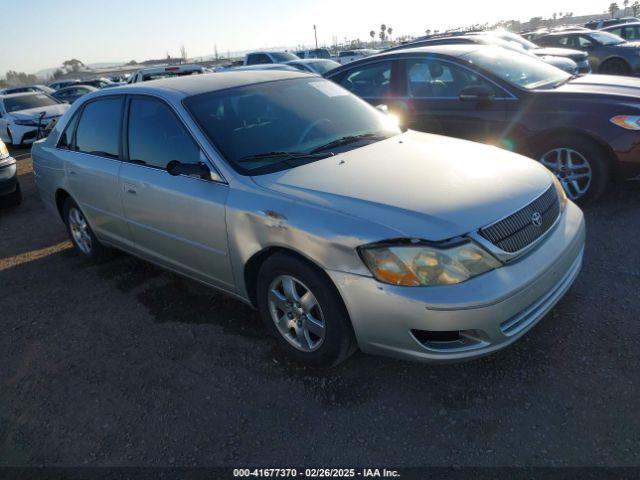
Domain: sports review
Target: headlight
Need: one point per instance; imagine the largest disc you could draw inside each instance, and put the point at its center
(26, 123)
(424, 265)
(4, 151)
(562, 195)
(629, 122)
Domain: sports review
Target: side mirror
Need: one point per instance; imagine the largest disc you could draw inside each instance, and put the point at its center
(175, 168)
(477, 93)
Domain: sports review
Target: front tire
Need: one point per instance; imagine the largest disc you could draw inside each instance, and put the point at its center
(81, 234)
(580, 164)
(303, 311)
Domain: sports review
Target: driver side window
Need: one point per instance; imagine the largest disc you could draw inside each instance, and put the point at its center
(584, 42)
(156, 135)
(432, 78)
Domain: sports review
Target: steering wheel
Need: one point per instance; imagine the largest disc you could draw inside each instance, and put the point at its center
(310, 128)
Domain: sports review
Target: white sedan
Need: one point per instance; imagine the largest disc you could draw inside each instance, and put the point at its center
(22, 113)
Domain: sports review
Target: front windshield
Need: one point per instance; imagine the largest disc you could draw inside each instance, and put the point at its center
(323, 66)
(26, 102)
(517, 69)
(253, 126)
(281, 57)
(606, 38)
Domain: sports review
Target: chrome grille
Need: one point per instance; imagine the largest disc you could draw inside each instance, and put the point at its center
(518, 231)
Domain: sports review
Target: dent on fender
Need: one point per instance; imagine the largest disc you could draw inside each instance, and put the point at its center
(306, 230)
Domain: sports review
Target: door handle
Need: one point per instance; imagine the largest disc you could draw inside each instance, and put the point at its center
(129, 188)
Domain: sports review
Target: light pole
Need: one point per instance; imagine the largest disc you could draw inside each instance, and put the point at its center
(315, 32)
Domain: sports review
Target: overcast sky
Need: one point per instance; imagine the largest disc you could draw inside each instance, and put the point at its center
(40, 34)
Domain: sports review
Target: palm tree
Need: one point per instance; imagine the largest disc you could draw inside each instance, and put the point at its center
(390, 30)
(635, 8)
(428, 31)
(372, 33)
(613, 9)
(383, 29)
(626, 5)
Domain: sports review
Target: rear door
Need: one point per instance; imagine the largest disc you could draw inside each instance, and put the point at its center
(92, 163)
(176, 221)
(432, 88)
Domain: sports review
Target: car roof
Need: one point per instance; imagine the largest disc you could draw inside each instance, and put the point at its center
(453, 50)
(205, 83)
(568, 32)
(21, 94)
(169, 68)
(621, 25)
(270, 51)
(94, 89)
(309, 60)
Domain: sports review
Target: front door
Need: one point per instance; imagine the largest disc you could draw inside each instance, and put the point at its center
(176, 221)
(435, 104)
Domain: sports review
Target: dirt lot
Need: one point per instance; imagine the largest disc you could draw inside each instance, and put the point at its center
(125, 364)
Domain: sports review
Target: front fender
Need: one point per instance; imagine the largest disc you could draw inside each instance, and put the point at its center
(260, 219)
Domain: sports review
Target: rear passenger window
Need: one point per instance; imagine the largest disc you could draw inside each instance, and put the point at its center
(98, 130)
(432, 78)
(156, 135)
(369, 81)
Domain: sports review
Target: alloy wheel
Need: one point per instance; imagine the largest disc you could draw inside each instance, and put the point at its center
(296, 313)
(80, 230)
(572, 169)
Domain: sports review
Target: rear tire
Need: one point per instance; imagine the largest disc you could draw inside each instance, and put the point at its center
(81, 234)
(319, 336)
(615, 66)
(581, 165)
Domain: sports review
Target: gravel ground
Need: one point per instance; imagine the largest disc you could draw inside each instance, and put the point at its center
(125, 364)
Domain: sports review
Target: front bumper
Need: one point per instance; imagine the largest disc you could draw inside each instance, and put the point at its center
(488, 312)
(8, 176)
(23, 134)
(584, 67)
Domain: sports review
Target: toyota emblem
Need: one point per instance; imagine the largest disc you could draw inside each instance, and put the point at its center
(536, 219)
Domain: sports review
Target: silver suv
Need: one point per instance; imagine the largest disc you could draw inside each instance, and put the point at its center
(291, 194)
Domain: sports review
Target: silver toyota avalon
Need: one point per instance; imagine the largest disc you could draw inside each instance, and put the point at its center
(289, 193)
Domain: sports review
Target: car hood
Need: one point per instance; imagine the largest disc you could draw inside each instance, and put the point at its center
(610, 85)
(626, 45)
(420, 185)
(34, 113)
(575, 55)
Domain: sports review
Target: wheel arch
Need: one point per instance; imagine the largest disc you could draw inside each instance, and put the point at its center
(529, 146)
(61, 197)
(613, 57)
(255, 262)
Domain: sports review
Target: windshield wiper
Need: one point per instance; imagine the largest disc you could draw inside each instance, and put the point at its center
(288, 155)
(345, 141)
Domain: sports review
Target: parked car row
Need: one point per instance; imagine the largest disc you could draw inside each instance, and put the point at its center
(331, 217)
(290, 193)
(571, 61)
